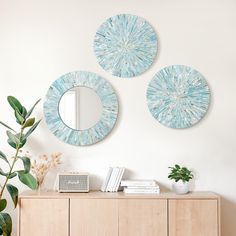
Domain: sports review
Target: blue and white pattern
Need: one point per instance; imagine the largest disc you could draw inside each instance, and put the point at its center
(109, 113)
(125, 45)
(178, 96)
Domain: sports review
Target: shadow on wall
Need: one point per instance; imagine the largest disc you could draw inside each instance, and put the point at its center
(228, 215)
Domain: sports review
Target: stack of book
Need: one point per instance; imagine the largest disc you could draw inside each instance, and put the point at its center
(113, 179)
(140, 186)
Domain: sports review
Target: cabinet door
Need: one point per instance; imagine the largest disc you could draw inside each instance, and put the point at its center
(193, 217)
(93, 217)
(44, 217)
(142, 217)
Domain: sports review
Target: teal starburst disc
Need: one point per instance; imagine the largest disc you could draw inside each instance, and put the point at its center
(178, 96)
(125, 45)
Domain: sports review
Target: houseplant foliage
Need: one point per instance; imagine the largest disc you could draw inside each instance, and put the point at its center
(16, 139)
(181, 176)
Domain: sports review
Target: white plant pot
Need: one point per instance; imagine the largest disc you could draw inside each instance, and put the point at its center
(180, 187)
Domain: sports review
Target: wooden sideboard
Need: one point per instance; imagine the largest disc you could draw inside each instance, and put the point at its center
(118, 214)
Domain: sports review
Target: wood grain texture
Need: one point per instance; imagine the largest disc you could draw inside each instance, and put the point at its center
(93, 217)
(113, 214)
(141, 217)
(193, 218)
(49, 217)
(119, 195)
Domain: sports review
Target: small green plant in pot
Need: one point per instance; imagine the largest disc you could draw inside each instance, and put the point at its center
(16, 140)
(181, 176)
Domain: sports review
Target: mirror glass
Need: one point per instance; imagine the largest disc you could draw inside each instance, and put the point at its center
(80, 108)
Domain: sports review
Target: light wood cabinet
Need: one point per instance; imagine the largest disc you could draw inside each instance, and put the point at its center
(44, 217)
(118, 214)
(93, 217)
(193, 217)
(141, 217)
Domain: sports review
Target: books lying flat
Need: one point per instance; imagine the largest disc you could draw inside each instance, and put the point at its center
(140, 186)
(142, 190)
(139, 183)
(143, 187)
(113, 179)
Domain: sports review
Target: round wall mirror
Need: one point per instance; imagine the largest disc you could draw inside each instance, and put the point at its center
(81, 108)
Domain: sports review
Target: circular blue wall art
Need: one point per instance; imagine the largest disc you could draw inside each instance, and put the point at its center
(109, 108)
(125, 45)
(178, 96)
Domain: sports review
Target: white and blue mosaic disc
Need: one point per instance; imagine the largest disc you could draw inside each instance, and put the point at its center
(178, 96)
(125, 45)
(109, 108)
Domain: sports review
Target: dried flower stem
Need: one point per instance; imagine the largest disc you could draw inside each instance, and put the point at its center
(41, 167)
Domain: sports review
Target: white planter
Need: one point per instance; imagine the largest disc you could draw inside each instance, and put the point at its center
(180, 187)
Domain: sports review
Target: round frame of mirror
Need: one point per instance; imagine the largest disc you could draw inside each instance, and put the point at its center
(109, 102)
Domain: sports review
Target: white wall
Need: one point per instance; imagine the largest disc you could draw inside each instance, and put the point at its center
(41, 40)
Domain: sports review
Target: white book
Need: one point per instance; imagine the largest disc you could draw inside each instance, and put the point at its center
(121, 173)
(116, 179)
(111, 180)
(106, 180)
(126, 183)
(116, 174)
(141, 191)
(144, 187)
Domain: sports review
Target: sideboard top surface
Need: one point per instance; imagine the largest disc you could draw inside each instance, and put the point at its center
(118, 195)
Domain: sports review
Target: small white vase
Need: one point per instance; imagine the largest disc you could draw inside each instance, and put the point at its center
(180, 187)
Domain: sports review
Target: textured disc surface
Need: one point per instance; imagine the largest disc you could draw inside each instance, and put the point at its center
(178, 96)
(125, 45)
(109, 103)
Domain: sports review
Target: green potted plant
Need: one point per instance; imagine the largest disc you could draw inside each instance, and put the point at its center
(181, 176)
(16, 139)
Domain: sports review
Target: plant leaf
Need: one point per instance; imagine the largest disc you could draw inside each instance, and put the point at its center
(5, 224)
(13, 137)
(27, 163)
(21, 138)
(180, 173)
(27, 179)
(3, 204)
(19, 119)
(31, 110)
(7, 126)
(15, 104)
(13, 174)
(13, 191)
(24, 112)
(29, 123)
(11, 143)
(31, 130)
(13, 140)
(3, 156)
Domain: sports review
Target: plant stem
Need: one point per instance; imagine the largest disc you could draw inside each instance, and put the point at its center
(11, 166)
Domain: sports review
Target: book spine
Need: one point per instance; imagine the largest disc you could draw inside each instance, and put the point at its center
(110, 180)
(117, 169)
(117, 179)
(142, 191)
(122, 170)
(105, 182)
(143, 187)
(137, 184)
